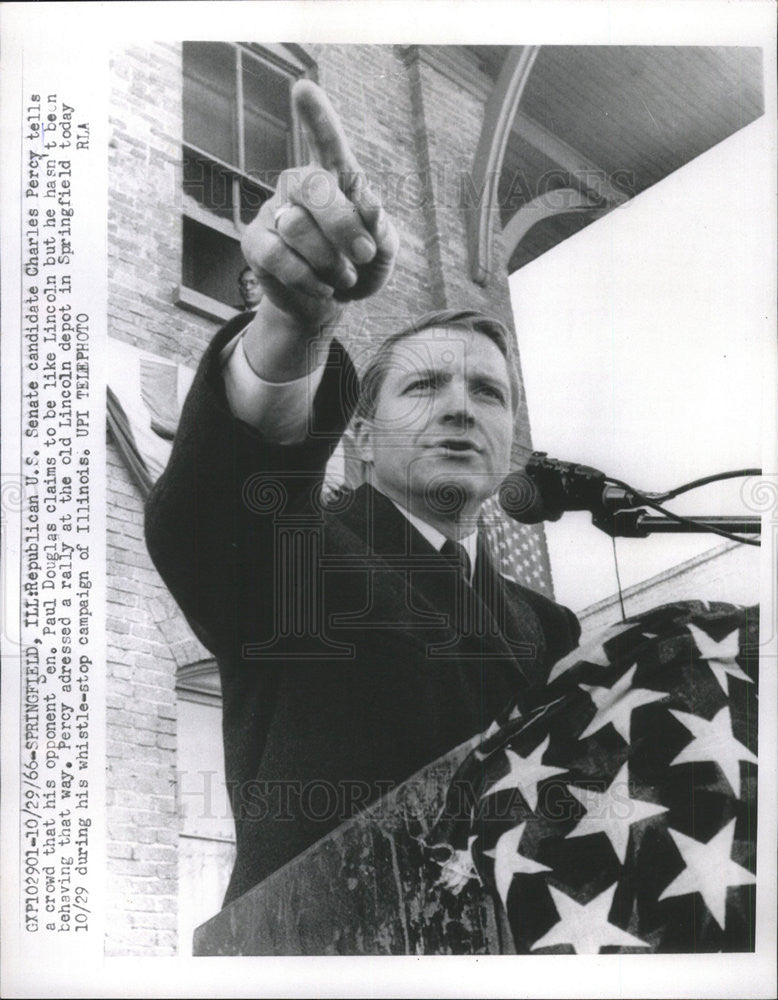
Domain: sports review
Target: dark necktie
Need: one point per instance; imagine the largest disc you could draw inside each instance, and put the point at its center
(457, 554)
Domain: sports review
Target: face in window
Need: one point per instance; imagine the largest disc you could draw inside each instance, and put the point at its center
(443, 423)
(250, 289)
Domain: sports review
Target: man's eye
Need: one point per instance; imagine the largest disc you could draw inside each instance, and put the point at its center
(492, 392)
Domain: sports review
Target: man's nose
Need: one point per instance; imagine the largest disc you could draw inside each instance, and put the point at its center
(453, 406)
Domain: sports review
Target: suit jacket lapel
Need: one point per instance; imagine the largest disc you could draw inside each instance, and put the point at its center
(488, 621)
(389, 548)
(513, 617)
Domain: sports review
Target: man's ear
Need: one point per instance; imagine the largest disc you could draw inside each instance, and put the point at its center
(363, 439)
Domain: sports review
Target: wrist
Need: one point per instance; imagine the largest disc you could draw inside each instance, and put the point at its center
(280, 347)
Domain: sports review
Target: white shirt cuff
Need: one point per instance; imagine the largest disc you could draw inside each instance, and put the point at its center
(278, 410)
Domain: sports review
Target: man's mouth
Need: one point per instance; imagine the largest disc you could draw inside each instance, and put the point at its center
(457, 445)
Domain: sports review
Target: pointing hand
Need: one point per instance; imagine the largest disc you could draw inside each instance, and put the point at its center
(323, 238)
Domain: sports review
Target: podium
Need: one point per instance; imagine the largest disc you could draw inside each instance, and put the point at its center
(368, 888)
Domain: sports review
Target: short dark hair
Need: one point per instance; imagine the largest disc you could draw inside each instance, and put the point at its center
(456, 319)
(243, 271)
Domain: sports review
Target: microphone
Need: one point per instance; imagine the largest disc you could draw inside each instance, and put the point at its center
(547, 487)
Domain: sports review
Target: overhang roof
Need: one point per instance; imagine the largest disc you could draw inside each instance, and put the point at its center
(610, 121)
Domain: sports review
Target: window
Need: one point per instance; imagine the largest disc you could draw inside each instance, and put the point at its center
(206, 846)
(237, 138)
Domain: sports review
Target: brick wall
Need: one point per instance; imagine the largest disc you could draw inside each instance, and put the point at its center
(408, 121)
(144, 206)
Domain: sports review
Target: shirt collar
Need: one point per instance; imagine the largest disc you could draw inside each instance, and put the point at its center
(436, 538)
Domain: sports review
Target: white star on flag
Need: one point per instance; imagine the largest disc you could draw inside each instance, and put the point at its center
(616, 704)
(526, 773)
(714, 741)
(612, 812)
(508, 862)
(720, 655)
(592, 651)
(586, 926)
(709, 870)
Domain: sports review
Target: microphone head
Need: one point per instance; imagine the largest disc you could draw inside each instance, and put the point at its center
(547, 487)
(520, 497)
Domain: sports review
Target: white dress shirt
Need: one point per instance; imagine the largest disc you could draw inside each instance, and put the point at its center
(278, 410)
(437, 539)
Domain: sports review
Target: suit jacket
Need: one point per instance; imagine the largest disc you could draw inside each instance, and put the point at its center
(351, 653)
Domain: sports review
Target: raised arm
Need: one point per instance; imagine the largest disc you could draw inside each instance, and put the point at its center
(319, 242)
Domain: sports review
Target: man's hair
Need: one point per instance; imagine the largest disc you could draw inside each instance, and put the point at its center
(243, 271)
(452, 319)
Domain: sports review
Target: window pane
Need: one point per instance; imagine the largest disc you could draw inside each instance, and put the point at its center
(212, 263)
(267, 115)
(252, 196)
(267, 147)
(209, 184)
(210, 98)
(266, 88)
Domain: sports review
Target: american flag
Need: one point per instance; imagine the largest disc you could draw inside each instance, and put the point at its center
(517, 549)
(619, 815)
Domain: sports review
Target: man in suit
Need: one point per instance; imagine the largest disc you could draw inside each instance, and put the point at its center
(358, 639)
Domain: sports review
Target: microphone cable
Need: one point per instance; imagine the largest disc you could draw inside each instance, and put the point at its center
(652, 500)
(704, 481)
(618, 578)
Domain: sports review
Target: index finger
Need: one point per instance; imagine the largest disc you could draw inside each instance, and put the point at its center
(323, 129)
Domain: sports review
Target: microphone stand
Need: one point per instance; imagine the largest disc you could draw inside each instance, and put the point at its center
(618, 518)
(640, 524)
